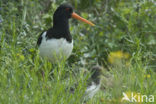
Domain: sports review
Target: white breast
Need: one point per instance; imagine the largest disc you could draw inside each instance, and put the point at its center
(92, 90)
(55, 49)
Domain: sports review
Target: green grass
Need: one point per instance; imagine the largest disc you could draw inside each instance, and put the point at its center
(128, 27)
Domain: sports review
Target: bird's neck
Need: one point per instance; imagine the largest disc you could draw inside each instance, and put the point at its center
(61, 29)
(62, 24)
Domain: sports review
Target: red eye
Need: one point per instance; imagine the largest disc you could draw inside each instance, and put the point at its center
(67, 9)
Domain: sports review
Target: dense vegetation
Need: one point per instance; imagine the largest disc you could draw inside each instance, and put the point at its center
(123, 42)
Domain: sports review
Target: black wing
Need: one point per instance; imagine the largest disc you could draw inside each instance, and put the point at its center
(39, 39)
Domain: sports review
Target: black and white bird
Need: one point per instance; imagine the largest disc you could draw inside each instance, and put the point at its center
(94, 81)
(56, 43)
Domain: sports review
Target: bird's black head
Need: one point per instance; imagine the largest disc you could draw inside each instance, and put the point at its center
(63, 11)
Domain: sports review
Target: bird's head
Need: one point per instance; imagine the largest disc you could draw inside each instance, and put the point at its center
(66, 11)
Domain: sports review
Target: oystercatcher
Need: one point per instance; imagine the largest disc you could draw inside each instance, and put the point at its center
(93, 83)
(56, 43)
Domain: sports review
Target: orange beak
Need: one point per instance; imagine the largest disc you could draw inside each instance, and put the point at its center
(76, 16)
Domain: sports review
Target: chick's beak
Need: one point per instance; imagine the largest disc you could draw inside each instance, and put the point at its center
(76, 16)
